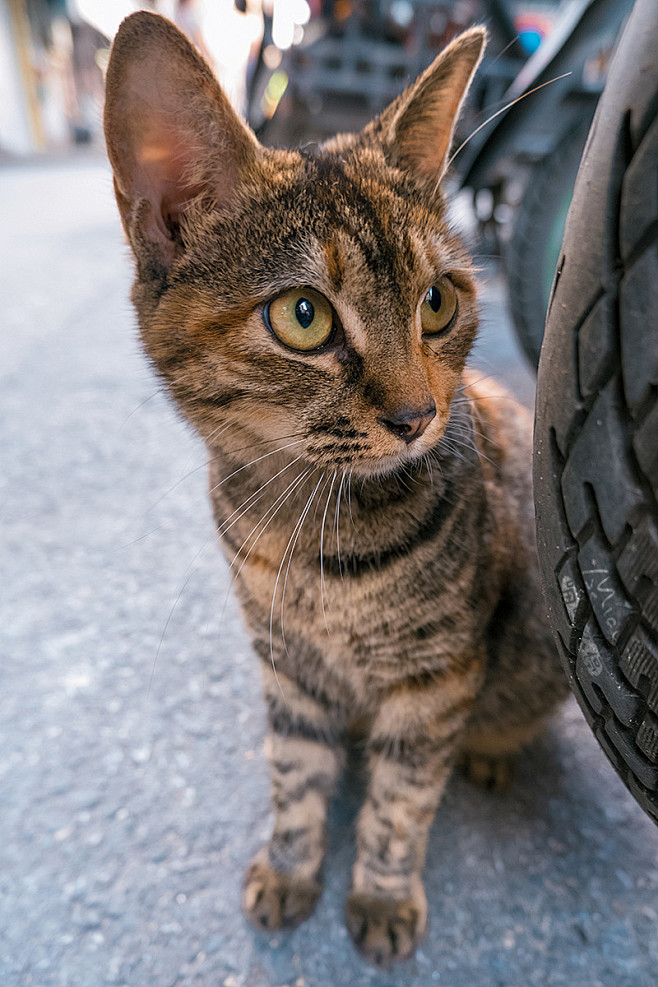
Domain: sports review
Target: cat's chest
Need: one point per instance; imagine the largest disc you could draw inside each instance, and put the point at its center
(376, 601)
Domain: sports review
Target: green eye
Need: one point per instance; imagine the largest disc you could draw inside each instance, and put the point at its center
(438, 307)
(301, 318)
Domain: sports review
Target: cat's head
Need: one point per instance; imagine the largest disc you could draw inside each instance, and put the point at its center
(311, 297)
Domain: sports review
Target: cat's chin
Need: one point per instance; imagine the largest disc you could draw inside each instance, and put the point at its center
(388, 466)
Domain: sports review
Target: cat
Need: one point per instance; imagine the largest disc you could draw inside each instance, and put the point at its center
(310, 313)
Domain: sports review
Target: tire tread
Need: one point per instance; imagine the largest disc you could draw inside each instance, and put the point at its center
(597, 515)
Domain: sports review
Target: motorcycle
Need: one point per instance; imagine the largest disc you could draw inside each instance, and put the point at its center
(523, 165)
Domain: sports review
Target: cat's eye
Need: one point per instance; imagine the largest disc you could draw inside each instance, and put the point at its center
(438, 307)
(301, 318)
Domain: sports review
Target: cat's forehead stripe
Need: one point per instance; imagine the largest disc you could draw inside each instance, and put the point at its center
(334, 265)
(359, 211)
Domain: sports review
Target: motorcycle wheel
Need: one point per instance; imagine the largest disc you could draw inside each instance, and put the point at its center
(596, 426)
(532, 254)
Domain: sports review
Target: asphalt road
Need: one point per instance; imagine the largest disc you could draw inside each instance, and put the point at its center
(133, 787)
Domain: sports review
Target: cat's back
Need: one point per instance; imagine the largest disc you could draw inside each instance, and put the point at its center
(503, 436)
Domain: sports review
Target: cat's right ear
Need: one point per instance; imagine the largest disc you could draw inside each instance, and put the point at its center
(173, 138)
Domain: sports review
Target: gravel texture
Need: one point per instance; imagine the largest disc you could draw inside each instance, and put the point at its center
(133, 787)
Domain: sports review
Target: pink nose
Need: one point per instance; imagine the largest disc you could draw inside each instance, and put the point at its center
(409, 423)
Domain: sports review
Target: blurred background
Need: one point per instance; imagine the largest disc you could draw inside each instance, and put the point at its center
(328, 60)
(302, 70)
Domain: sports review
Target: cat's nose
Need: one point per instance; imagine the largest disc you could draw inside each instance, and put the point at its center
(409, 423)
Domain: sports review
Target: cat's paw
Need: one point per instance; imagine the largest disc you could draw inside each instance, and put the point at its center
(494, 773)
(272, 900)
(385, 931)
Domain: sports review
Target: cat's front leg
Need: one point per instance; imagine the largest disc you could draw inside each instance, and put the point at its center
(306, 756)
(412, 749)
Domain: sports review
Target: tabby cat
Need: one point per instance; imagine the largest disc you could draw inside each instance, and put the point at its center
(311, 312)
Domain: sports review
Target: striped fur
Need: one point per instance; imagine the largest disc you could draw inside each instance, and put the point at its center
(387, 585)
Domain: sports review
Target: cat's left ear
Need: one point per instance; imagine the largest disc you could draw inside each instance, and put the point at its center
(417, 130)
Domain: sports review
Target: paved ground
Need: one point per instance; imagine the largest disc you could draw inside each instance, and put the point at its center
(133, 785)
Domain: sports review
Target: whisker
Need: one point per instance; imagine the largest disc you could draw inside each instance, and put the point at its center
(252, 499)
(502, 110)
(492, 397)
(467, 423)
(428, 467)
(190, 573)
(349, 494)
(456, 443)
(206, 462)
(275, 507)
(434, 460)
(462, 388)
(487, 438)
(406, 472)
(322, 585)
(218, 431)
(138, 408)
(317, 506)
(253, 463)
(517, 37)
(302, 518)
(278, 576)
(232, 519)
(465, 402)
(337, 520)
(278, 503)
(147, 534)
(260, 442)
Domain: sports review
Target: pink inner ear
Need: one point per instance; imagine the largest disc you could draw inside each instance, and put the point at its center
(172, 135)
(159, 170)
(163, 160)
(168, 161)
(431, 150)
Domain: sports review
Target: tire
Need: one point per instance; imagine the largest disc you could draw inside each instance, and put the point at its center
(532, 254)
(596, 426)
